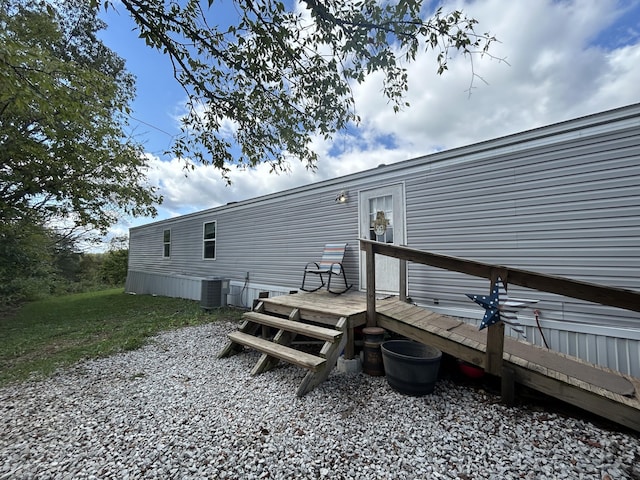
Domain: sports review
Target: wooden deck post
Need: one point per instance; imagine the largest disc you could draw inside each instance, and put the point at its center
(508, 387)
(495, 348)
(371, 285)
(495, 332)
(403, 281)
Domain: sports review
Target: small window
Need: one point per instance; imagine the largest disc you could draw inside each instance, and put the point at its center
(166, 240)
(210, 240)
(381, 219)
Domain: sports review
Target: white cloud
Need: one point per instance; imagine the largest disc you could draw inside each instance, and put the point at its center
(554, 74)
(557, 71)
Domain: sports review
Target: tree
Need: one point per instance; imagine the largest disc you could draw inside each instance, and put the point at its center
(66, 258)
(26, 267)
(261, 87)
(64, 155)
(115, 264)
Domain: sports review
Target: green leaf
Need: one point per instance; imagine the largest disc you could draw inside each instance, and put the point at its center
(279, 79)
(64, 140)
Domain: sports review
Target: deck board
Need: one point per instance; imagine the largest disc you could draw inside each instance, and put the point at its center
(283, 352)
(600, 390)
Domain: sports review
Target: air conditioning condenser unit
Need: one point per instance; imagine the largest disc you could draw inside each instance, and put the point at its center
(214, 293)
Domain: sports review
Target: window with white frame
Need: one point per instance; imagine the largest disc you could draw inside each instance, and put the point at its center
(166, 242)
(209, 237)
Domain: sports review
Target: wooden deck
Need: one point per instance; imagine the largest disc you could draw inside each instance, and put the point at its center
(324, 307)
(599, 390)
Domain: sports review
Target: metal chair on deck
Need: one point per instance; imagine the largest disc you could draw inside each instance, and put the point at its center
(330, 264)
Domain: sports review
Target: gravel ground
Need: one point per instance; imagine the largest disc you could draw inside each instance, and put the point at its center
(171, 410)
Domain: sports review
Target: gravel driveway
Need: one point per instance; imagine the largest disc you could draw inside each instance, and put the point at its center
(171, 410)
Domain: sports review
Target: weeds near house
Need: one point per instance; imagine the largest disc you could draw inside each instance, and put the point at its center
(55, 332)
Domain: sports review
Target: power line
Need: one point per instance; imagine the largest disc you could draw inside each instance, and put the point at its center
(152, 126)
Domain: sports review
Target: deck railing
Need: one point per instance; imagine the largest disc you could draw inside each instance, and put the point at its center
(610, 296)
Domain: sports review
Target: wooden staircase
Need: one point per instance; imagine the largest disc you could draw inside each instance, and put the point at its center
(256, 332)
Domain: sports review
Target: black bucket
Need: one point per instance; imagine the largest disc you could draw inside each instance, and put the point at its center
(411, 367)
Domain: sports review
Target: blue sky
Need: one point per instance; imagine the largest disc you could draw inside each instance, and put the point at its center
(565, 59)
(158, 95)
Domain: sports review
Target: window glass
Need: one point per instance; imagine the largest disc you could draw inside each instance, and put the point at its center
(381, 219)
(210, 250)
(210, 231)
(166, 243)
(209, 237)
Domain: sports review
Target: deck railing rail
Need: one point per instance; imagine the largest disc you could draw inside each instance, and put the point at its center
(610, 296)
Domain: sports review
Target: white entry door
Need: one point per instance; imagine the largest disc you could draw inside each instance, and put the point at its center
(382, 220)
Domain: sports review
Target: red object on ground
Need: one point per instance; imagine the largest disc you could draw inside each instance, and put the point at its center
(470, 371)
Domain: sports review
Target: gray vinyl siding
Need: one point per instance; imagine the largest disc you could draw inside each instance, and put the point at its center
(562, 200)
(270, 240)
(570, 209)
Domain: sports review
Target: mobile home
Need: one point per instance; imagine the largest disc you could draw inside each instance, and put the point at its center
(562, 199)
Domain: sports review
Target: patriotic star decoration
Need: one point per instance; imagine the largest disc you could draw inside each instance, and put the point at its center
(499, 306)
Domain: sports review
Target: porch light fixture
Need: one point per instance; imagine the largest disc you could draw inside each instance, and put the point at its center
(342, 197)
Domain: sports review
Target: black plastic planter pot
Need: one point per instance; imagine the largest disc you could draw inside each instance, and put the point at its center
(411, 367)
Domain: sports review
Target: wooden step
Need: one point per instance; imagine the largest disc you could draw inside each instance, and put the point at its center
(306, 314)
(321, 333)
(291, 355)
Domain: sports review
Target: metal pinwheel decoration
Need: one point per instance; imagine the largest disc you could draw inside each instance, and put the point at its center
(499, 306)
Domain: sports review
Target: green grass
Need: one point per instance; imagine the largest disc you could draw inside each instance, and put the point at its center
(45, 335)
